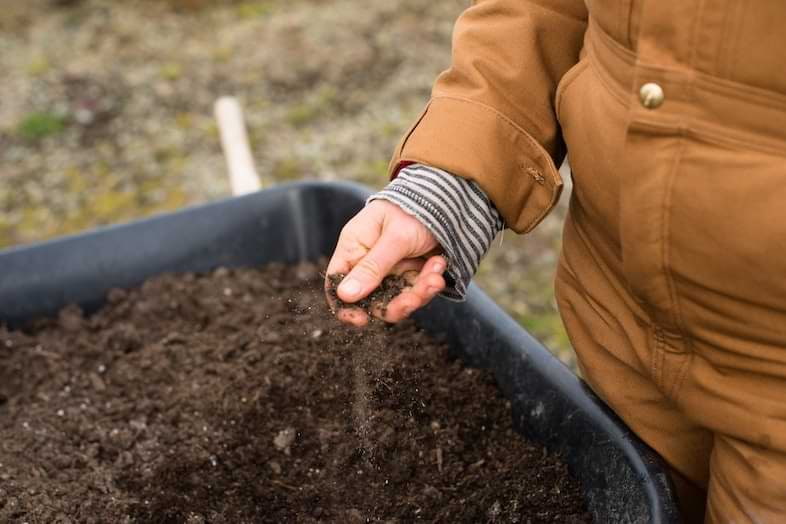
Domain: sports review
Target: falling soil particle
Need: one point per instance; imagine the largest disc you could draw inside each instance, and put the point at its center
(378, 299)
(181, 402)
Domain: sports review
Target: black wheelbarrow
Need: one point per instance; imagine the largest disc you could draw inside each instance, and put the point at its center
(622, 479)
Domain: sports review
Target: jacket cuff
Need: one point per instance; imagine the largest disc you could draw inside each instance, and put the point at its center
(456, 211)
(476, 142)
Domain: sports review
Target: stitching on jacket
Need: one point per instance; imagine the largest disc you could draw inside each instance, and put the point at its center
(693, 36)
(704, 131)
(562, 87)
(682, 374)
(538, 149)
(725, 138)
(555, 187)
(600, 73)
(655, 356)
(400, 148)
(665, 234)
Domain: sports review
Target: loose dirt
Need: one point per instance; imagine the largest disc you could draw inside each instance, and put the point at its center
(388, 289)
(236, 397)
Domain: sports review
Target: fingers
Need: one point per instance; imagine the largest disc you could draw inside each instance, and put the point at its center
(425, 285)
(383, 239)
(369, 271)
(348, 251)
(362, 231)
(354, 316)
(355, 240)
(428, 284)
(409, 269)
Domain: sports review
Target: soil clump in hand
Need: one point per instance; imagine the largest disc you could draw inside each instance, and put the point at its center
(236, 397)
(390, 287)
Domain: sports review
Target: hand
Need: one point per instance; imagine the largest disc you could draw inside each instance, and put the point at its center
(383, 239)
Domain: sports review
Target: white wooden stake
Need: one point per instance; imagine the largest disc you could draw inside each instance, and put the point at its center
(243, 177)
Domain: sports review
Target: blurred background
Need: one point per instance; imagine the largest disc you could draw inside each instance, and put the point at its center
(106, 113)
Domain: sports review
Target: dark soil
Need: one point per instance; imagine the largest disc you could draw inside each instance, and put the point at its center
(236, 397)
(379, 299)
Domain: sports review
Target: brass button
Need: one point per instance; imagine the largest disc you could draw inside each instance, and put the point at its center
(651, 95)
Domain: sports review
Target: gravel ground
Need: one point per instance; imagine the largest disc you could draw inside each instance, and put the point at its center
(106, 112)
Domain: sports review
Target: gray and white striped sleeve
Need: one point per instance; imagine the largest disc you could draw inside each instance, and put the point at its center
(456, 211)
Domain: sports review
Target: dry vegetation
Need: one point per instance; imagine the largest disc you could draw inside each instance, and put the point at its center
(106, 112)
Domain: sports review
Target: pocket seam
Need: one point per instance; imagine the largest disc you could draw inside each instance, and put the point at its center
(566, 81)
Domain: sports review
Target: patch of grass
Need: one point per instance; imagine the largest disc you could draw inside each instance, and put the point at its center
(301, 114)
(392, 130)
(374, 173)
(105, 198)
(184, 121)
(548, 327)
(222, 54)
(254, 9)
(287, 169)
(171, 71)
(313, 108)
(38, 66)
(37, 126)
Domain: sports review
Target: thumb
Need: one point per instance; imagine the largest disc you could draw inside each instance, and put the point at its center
(369, 271)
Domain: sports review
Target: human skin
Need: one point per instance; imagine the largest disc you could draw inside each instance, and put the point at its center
(383, 239)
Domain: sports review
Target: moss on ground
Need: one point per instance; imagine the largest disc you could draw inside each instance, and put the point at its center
(37, 126)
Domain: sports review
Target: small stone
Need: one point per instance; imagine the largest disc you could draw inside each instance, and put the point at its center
(194, 518)
(495, 510)
(70, 318)
(269, 337)
(284, 439)
(97, 382)
(116, 295)
(354, 516)
(84, 116)
(431, 491)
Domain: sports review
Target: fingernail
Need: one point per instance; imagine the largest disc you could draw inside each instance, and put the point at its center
(439, 267)
(408, 311)
(431, 290)
(349, 287)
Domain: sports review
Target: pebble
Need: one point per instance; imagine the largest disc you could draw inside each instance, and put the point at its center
(284, 439)
(354, 516)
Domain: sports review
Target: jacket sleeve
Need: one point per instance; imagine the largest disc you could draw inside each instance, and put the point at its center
(491, 117)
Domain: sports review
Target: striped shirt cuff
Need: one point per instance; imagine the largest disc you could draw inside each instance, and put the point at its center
(456, 211)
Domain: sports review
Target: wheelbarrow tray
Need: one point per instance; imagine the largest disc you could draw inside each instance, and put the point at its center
(622, 479)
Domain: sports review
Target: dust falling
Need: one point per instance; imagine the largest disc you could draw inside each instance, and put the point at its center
(368, 364)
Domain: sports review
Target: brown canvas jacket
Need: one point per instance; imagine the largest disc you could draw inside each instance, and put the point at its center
(721, 65)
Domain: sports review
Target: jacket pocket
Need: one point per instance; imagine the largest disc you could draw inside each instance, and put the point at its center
(566, 81)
